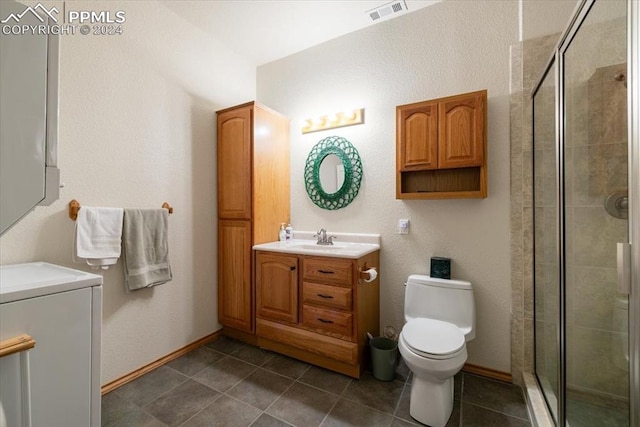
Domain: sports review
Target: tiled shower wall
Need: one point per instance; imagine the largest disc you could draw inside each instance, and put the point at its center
(596, 166)
(528, 61)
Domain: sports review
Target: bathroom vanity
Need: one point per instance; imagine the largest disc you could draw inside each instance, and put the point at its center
(317, 303)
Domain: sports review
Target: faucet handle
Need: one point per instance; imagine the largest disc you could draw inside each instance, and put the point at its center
(330, 239)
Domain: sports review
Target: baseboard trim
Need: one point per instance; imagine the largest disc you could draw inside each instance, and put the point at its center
(119, 382)
(487, 372)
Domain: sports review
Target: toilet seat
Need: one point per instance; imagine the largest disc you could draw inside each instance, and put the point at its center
(433, 339)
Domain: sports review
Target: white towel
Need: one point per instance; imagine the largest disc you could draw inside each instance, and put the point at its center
(98, 236)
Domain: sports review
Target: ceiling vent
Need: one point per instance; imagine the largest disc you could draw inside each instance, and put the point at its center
(387, 10)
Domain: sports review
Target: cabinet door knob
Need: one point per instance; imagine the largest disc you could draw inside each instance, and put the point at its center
(293, 267)
(325, 296)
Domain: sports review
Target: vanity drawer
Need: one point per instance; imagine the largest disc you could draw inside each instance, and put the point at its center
(328, 270)
(331, 322)
(327, 296)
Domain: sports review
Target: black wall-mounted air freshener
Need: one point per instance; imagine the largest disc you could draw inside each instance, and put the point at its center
(440, 267)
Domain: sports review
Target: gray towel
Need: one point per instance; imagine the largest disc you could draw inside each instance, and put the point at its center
(146, 248)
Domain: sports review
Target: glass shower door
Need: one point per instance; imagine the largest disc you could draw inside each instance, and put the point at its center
(594, 154)
(546, 251)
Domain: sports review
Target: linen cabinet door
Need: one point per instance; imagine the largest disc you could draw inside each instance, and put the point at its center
(235, 300)
(277, 287)
(234, 163)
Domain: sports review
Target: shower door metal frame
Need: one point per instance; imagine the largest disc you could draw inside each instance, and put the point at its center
(633, 112)
(560, 338)
(633, 108)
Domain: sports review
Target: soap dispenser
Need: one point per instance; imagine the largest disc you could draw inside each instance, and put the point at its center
(282, 235)
(289, 232)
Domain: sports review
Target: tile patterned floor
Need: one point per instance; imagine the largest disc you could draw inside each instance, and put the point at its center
(228, 383)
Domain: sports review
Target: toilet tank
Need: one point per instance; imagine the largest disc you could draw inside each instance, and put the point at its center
(441, 299)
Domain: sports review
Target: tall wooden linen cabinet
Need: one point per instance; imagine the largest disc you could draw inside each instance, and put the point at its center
(253, 200)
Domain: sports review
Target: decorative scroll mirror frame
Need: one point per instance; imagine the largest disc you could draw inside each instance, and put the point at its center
(352, 164)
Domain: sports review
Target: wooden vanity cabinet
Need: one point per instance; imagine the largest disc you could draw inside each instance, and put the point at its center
(253, 200)
(441, 148)
(335, 308)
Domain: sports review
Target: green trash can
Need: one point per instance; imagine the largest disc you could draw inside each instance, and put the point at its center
(384, 354)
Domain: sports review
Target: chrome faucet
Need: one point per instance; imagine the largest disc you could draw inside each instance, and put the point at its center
(321, 235)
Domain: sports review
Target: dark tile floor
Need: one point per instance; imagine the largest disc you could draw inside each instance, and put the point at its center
(228, 383)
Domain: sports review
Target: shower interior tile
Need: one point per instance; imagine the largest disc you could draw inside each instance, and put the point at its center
(594, 236)
(528, 345)
(593, 356)
(593, 293)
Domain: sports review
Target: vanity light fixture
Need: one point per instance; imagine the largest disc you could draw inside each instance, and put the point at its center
(335, 120)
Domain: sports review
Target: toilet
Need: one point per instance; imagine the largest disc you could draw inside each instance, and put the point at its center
(440, 318)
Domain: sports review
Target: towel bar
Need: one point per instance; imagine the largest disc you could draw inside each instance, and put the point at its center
(74, 207)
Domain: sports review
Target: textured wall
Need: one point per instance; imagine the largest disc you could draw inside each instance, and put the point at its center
(445, 49)
(542, 17)
(137, 127)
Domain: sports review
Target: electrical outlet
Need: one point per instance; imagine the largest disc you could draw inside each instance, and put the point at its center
(403, 226)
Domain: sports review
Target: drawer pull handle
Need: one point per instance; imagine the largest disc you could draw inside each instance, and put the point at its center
(325, 320)
(325, 296)
(325, 271)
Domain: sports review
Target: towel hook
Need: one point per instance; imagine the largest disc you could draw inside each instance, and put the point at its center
(74, 207)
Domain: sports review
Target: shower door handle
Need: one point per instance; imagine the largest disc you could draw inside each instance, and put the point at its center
(624, 268)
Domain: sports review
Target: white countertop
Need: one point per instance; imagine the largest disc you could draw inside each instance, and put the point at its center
(346, 245)
(34, 279)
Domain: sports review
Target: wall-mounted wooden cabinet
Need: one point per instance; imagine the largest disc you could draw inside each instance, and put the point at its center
(441, 148)
(253, 200)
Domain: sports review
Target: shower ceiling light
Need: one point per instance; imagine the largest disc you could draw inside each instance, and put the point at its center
(335, 120)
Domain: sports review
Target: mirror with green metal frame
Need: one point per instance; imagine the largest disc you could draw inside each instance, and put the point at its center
(333, 173)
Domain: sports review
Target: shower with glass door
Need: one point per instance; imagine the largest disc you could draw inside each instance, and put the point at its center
(585, 205)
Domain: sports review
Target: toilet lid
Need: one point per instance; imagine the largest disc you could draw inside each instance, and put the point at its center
(433, 337)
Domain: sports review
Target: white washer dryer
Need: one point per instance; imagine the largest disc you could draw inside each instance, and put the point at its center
(57, 382)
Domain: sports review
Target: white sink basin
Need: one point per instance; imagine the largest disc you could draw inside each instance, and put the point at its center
(317, 247)
(342, 249)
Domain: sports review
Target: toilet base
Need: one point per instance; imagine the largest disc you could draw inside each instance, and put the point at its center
(431, 402)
